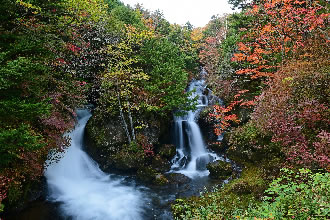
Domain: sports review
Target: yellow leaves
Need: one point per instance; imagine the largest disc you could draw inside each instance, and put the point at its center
(137, 36)
(197, 34)
(85, 10)
(29, 6)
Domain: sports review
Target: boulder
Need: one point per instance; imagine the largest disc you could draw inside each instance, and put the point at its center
(107, 144)
(128, 161)
(160, 164)
(160, 180)
(167, 151)
(220, 170)
(177, 178)
(146, 174)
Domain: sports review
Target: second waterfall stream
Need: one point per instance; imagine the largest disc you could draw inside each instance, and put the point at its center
(192, 156)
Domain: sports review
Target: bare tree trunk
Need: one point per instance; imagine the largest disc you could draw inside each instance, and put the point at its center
(131, 120)
(123, 118)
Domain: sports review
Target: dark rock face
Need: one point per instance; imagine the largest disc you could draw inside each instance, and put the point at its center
(106, 143)
(160, 164)
(167, 151)
(207, 126)
(220, 170)
(177, 178)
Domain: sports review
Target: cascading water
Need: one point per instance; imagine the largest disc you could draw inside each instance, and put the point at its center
(192, 156)
(84, 191)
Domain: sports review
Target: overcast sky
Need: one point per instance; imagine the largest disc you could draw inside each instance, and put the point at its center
(197, 12)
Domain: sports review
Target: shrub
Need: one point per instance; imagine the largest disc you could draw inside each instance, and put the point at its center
(294, 195)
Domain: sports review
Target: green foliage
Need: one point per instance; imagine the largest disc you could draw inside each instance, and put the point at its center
(223, 202)
(168, 78)
(112, 4)
(294, 195)
(18, 140)
(127, 16)
(248, 143)
(240, 4)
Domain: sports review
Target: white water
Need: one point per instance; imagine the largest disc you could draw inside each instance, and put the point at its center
(192, 156)
(84, 191)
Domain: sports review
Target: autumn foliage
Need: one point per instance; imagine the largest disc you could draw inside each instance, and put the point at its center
(283, 51)
(280, 28)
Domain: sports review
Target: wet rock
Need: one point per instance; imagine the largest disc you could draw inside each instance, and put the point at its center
(128, 161)
(107, 144)
(220, 170)
(147, 174)
(206, 125)
(177, 178)
(160, 180)
(160, 164)
(202, 161)
(167, 151)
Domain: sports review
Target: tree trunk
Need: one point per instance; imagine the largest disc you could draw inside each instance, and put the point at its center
(123, 118)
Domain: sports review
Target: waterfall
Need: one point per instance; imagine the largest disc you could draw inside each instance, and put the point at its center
(84, 191)
(192, 156)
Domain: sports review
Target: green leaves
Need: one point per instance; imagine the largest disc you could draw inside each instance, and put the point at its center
(17, 141)
(298, 195)
(168, 78)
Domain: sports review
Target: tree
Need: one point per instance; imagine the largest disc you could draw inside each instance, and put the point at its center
(168, 79)
(279, 30)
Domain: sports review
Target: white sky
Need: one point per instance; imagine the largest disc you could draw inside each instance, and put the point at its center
(197, 12)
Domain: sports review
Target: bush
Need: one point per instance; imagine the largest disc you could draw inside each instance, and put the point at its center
(294, 195)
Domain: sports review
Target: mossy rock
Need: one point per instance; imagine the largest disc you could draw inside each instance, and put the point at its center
(160, 180)
(128, 161)
(252, 181)
(223, 203)
(167, 151)
(160, 164)
(147, 174)
(177, 178)
(220, 170)
(248, 144)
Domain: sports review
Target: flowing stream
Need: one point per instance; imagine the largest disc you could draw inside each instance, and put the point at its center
(84, 191)
(192, 156)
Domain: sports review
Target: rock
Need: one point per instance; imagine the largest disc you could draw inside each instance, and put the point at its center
(177, 178)
(167, 151)
(220, 170)
(107, 144)
(206, 125)
(160, 180)
(160, 164)
(147, 174)
(202, 161)
(128, 161)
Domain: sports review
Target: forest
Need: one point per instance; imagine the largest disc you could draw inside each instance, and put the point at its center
(267, 63)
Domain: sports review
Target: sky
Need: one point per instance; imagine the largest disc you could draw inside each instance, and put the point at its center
(197, 12)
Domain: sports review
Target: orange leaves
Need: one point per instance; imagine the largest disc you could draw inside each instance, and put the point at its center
(223, 115)
(248, 103)
(239, 57)
(224, 119)
(243, 47)
(278, 31)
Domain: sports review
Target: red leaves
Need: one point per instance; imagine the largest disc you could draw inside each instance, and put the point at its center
(224, 117)
(295, 114)
(279, 28)
(147, 147)
(73, 48)
(4, 184)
